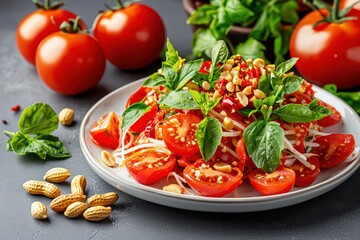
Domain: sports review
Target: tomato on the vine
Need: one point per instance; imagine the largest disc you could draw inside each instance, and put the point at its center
(132, 36)
(279, 181)
(334, 149)
(70, 62)
(150, 165)
(105, 131)
(179, 134)
(34, 27)
(207, 181)
(328, 48)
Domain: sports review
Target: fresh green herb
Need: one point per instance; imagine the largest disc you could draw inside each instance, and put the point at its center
(267, 18)
(36, 123)
(208, 136)
(133, 113)
(219, 54)
(264, 143)
(203, 101)
(155, 79)
(181, 99)
(351, 98)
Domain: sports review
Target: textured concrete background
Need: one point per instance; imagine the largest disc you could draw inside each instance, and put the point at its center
(334, 215)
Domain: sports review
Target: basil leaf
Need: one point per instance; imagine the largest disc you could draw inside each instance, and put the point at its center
(202, 42)
(203, 101)
(188, 71)
(219, 53)
(264, 84)
(42, 145)
(237, 12)
(203, 15)
(251, 48)
(284, 67)
(39, 118)
(154, 80)
(170, 77)
(172, 55)
(208, 135)
(298, 113)
(133, 113)
(292, 84)
(264, 143)
(181, 99)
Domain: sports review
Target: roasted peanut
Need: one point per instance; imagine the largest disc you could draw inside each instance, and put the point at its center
(106, 199)
(97, 213)
(38, 210)
(222, 167)
(75, 209)
(78, 184)
(108, 158)
(57, 175)
(60, 203)
(174, 188)
(42, 188)
(66, 116)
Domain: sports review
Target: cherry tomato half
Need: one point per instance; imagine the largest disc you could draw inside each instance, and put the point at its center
(179, 134)
(150, 165)
(279, 181)
(304, 175)
(330, 120)
(207, 181)
(132, 37)
(70, 63)
(37, 25)
(105, 131)
(334, 149)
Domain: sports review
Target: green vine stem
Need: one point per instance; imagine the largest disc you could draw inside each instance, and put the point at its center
(48, 5)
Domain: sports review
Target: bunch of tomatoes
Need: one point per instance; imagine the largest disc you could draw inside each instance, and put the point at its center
(70, 61)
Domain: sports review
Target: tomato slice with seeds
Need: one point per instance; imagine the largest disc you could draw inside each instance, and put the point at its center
(304, 175)
(244, 158)
(334, 149)
(330, 120)
(105, 132)
(150, 165)
(277, 182)
(207, 181)
(178, 132)
(301, 131)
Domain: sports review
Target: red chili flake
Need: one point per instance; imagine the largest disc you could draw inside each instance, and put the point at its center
(4, 122)
(16, 108)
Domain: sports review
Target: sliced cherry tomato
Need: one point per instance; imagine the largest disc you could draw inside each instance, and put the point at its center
(334, 149)
(132, 36)
(304, 175)
(187, 160)
(301, 131)
(105, 131)
(332, 119)
(138, 96)
(150, 165)
(179, 134)
(207, 181)
(150, 129)
(279, 181)
(39, 24)
(244, 158)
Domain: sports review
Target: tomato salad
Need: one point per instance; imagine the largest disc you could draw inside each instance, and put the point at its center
(211, 125)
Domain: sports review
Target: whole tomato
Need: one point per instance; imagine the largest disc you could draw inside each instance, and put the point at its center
(70, 62)
(132, 36)
(37, 25)
(330, 51)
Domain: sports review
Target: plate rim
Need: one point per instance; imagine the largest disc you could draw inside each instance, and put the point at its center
(94, 163)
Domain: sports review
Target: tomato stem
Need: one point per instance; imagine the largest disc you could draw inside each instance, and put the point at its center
(48, 5)
(71, 26)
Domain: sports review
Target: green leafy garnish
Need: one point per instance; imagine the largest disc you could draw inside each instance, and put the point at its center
(203, 101)
(133, 113)
(36, 123)
(351, 98)
(181, 99)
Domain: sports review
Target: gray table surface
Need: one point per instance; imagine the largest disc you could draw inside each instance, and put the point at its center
(334, 215)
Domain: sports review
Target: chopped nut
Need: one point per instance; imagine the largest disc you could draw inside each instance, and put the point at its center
(228, 123)
(192, 85)
(247, 90)
(223, 113)
(108, 158)
(230, 87)
(227, 67)
(270, 67)
(259, 94)
(259, 62)
(226, 75)
(205, 85)
(234, 72)
(66, 116)
(243, 99)
(236, 80)
(230, 61)
(248, 61)
(222, 167)
(216, 94)
(174, 188)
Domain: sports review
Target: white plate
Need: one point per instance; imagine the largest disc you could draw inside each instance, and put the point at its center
(246, 199)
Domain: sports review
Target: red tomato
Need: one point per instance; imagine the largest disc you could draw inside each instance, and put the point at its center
(37, 25)
(70, 63)
(334, 149)
(279, 181)
(132, 37)
(330, 120)
(139, 96)
(301, 131)
(244, 158)
(207, 181)
(105, 131)
(150, 165)
(304, 175)
(329, 44)
(179, 134)
(205, 67)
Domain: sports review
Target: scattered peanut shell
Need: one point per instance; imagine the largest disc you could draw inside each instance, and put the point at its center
(108, 158)
(78, 184)
(97, 213)
(57, 175)
(39, 210)
(75, 209)
(106, 199)
(174, 188)
(60, 203)
(66, 116)
(42, 188)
